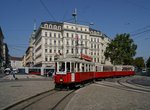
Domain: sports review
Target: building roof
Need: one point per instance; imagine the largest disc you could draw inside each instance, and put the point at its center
(52, 22)
(16, 58)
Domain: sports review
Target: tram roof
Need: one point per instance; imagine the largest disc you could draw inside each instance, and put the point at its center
(74, 60)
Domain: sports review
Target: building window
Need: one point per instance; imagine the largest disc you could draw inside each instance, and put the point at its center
(50, 42)
(81, 37)
(50, 34)
(50, 50)
(50, 26)
(86, 44)
(54, 50)
(72, 35)
(55, 27)
(45, 50)
(67, 42)
(59, 27)
(45, 41)
(59, 51)
(95, 46)
(85, 51)
(54, 42)
(45, 33)
(59, 35)
(91, 45)
(86, 37)
(54, 34)
(67, 51)
(50, 59)
(46, 59)
(59, 42)
(67, 34)
(46, 25)
(72, 50)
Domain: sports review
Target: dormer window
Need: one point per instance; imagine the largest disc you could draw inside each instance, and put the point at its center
(50, 26)
(55, 27)
(59, 27)
(46, 25)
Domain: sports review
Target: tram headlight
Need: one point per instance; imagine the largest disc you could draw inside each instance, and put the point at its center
(61, 80)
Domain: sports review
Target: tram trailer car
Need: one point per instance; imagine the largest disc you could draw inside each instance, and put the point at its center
(71, 72)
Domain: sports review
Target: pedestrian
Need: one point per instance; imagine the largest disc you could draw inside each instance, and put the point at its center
(13, 73)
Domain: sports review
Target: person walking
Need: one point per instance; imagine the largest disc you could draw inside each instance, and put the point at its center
(13, 72)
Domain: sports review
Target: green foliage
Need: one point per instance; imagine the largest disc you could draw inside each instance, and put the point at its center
(139, 62)
(121, 50)
(148, 63)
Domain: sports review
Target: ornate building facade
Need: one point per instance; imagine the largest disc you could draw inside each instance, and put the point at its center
(54, 39)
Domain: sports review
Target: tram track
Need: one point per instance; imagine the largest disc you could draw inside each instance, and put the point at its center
(132, 86)
(49, 100)
(124, 85)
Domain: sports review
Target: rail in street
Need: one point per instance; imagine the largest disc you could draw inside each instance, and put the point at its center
(49, 100)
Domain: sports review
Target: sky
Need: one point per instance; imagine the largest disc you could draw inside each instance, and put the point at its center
(17, 18)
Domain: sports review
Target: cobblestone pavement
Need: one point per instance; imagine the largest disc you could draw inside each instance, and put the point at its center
(12, 91)
(99, 97)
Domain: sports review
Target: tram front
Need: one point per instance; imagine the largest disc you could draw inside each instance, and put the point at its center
(64, 75)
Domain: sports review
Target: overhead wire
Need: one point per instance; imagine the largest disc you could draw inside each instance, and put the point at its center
(45, 7)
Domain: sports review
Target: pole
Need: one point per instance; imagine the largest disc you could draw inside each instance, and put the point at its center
(74, 14)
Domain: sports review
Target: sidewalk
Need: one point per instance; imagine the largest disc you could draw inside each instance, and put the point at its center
(12, 91)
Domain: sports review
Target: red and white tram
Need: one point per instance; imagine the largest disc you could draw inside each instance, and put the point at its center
(73, 71)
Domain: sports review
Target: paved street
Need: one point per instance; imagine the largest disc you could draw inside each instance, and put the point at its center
(12, 91)
(101, 97)
(96, 96)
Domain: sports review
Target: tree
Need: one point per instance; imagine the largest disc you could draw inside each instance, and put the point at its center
(148, 63)
(121, 50)
(139, 62)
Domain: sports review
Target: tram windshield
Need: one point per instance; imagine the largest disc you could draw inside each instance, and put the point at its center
(61, 66)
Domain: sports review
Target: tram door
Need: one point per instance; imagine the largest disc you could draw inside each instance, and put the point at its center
(72, 72)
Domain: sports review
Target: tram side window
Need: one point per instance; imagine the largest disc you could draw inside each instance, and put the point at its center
(68, 66)
(62, 66)
(72, 67)
(82, 67)
(107, 68)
